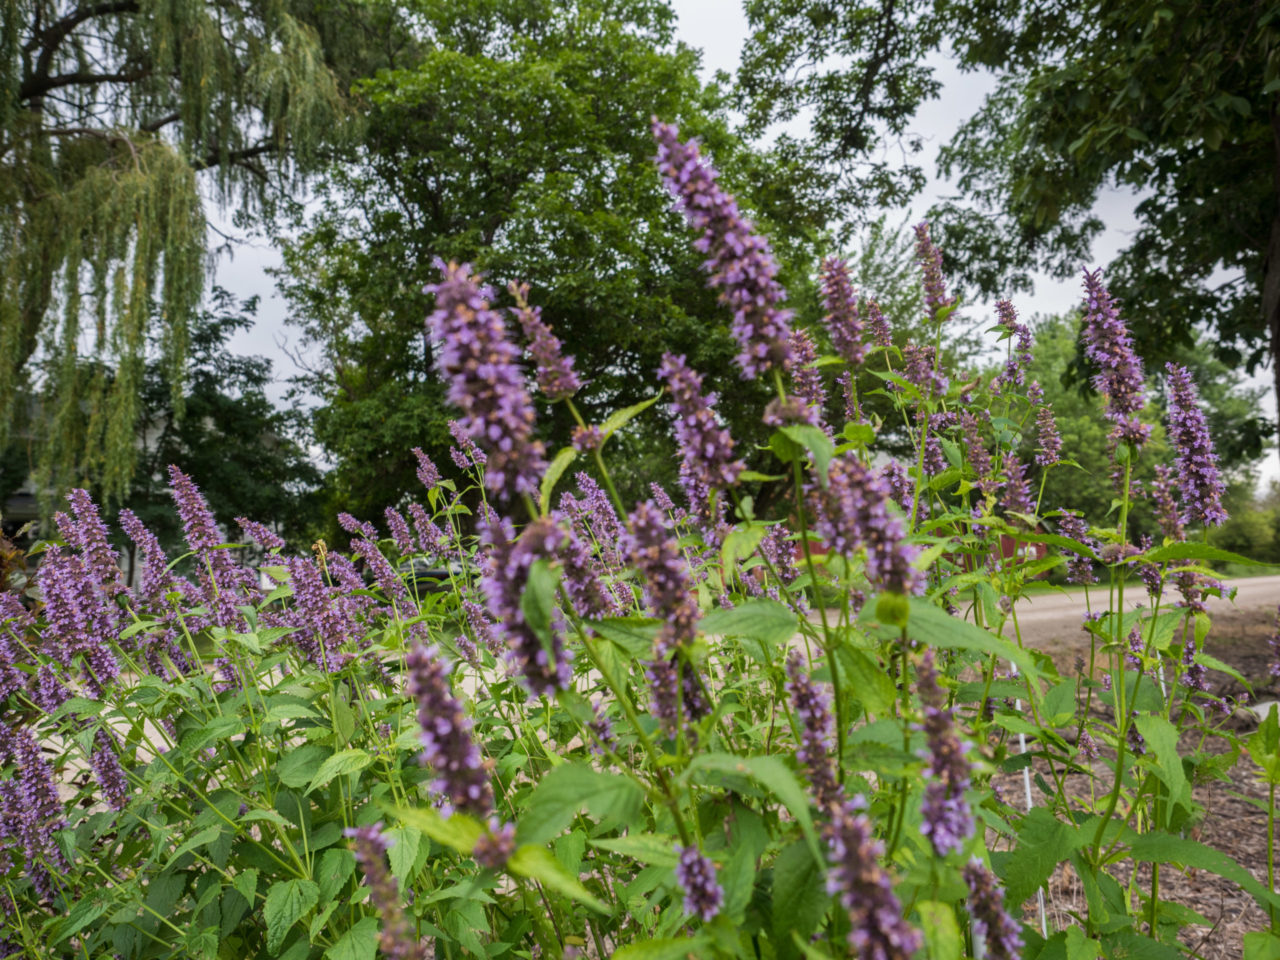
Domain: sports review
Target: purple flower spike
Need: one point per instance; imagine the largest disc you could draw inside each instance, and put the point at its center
(1017, 491)
(999, 931)
(1274, 642)
(1109, 346)
(543, 667)
(1050, 451)
(466, 455)
(739, 260)
(224, 583)
(261, 534)
(806, 379)
(948, 821)
(396, 940)
(929, 257)
(428, 475)
(878, 326)
(921, 368)
(587, 439)
(706, 447)
(696, 875)
(446, 736)
(30, 811)
(89, 535)
(877, 930)
(665, 574)
(844, 326)
(852, 512)
(107, 770)
(1198, 475)
(812, 705)
(479, 364)
(399, 529)
(556, 377)
(1021, 358)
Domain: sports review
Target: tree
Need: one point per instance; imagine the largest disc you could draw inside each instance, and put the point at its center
(110, 111)
(1175, 100)
(520, 142)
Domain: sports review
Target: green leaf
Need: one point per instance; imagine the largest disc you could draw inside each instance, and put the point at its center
(774, 776)
(620, 418)
(207, 835)
(1264, 746)
(740, 544)
(1162, 744)
(246, 883)
(342, 763)
(867, 682)
(287, 901)
(817, 443)
(860, 434)
(290, 711)
(941, 932)
(1163, 848)
(762, 619)
(1043, 843)
(358, 943)
(538, 602)
(556, 800)
(1261, 945)
(300, 765)
(668, 948)
(555, 470)
(539, 863)
(934, 627)
(651, 848)
(82, 913)
(799, 894)
(459, 832)
(219, 728)
(403, 852)
(336, 866)
(1193, 551)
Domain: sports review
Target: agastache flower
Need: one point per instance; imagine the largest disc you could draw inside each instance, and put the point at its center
(696, 875)
(1110, 347)
(852, 512)
(878, 326)
(478, 363)
(1198, 475)
(107, 770)
(948, 821)
(1166, 506)
(975, 449)
(466, 455)
(431, 539)
(89, 536)
(1017, 491)
(1050, 450)
(556, 377)
(446, 736)
(844, 326)
(1079, 567)
(929, 257)
(806, 379)
(30, 809)
(991, 921)
(79, 618)
(261, 534)
(540, 661)
(877, 930)
(921, 368)
(813, 708)
(428, 475)
(396, 939)
(399, 530)
(1021, 349)
(1274, 643)
(362, 527)
(587, 439)
(664, 572)
(739, 261)
(706, 447)
(223, 582)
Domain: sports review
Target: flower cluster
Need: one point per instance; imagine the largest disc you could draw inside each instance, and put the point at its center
(696, 875)
(929, 257)
(948, 821)
(844, 326)
(396, 939)
(1109, 347)
(1198, 475)
(1020, 350)
(739, 260)
(556, 377)
(479, 364)
(1001, 935)
(813, 708)
(706, 448)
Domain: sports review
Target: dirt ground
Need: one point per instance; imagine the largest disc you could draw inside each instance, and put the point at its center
(1239, 638)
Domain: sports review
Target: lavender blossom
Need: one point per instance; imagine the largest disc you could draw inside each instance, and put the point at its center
(396, 940)
(848, 390)
(107, 770)
(1020, 357)
(481, 627)
(223, 583)
(703, 896)
(921, 369)
(852, 513)
(929, 258)
(479, 364)
(1050, 450)
(739, 260)
(1120, 378)
(428, 475)
(88, 535)
(844, 326)
(877, 928)
(383, 573)
(1166, 506)
(466, 455)
(261, 534)
(1198, 475)
(1079, 567)
(901, 487)
(806, 379)
(583, 577)
(812, 705)
(676, 695)
(446, 736)
(79, 618)
(540, 661)
(948, 821)
(656, 556)
(431, 539)
(30, 810)
(1088, 747)
(878, 326)
(991, 921)
(1017, 491)
(556, 377)
(399, 530)
(706, 447)
(361, 527)
(975, 449)
(587, 439)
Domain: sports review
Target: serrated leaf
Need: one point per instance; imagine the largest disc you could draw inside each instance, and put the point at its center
(1043, 843)
(1156, 847)
(1193, 551)
(564, 791)
(287, 902)
(207, 835)
(290, 711)
(403, 852)
(762, 619)
(667, 948)
(654, 849)
(342, 763)
(358, 943)
(539, 863)
(335, 869)
(774, 776)
(799, 895)
(1162, 745)
(817, 443)
(219, 728)
(458, 832)
(246, 883)
(867, 682)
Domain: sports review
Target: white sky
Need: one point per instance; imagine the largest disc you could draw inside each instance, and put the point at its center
(719, 29)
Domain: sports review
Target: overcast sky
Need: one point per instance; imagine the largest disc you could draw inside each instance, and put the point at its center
(719, 28)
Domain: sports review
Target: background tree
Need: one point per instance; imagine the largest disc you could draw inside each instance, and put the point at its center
(109, 113)
(520, 142)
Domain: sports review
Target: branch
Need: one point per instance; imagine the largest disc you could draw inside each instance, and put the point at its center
(39, 85)
(48, 40)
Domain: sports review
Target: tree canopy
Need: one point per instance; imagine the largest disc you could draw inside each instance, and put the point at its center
(109, 113)
(520, 142)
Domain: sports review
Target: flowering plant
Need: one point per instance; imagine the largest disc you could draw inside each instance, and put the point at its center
(647, 732)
